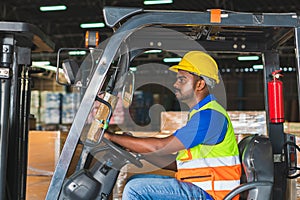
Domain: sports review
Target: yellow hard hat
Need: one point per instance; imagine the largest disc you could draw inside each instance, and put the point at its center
(199, 63)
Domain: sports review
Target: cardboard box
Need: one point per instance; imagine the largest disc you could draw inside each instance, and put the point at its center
(171, 121)
(43, 152)
(248, 122)
(102, 112)
(44, 148)
(292, 128)
(37, 187)
(244, 122)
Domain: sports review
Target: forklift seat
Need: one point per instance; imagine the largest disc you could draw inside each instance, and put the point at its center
(257, 169)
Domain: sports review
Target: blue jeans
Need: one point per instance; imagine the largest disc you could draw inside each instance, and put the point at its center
(157, 187)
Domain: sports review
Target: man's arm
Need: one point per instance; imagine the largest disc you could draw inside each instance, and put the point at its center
(155, 146)
(164, 162)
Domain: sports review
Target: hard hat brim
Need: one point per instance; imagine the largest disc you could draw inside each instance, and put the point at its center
(175, 68)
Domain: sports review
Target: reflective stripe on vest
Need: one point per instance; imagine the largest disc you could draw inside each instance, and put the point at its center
(218, 185)
(209, 162)
(211, 166)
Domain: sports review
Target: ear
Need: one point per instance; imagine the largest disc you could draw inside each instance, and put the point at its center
(200, 85)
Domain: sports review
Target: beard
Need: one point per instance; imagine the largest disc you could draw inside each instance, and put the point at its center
(184, 96)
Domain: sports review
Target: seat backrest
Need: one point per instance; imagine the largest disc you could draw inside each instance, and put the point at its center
(258, 166)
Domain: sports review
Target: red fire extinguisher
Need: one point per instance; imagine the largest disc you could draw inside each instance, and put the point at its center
(275, 96)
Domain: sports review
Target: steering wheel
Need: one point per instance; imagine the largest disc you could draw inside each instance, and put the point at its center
(125, 154)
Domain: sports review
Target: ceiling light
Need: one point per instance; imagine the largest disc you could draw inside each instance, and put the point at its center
(40, 63)
(168, 60)
(53, 8)
(154, 2)
(247, 58)
(77, 53)
(44, 65)
(257, 66)
(153, 51)
(92, 25)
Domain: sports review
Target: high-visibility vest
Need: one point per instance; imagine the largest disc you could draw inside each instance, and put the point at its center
(214, 168)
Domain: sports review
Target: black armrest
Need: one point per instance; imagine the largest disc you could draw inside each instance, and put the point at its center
(245, 187)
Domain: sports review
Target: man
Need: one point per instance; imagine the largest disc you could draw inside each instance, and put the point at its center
(207, 163)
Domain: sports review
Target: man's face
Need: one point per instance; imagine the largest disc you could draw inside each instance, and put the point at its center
(184, 86)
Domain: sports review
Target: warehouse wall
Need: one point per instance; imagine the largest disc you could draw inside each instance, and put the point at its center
(244, 91)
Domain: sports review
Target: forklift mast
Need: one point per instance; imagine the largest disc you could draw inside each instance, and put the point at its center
(17, 40)
(215, 31)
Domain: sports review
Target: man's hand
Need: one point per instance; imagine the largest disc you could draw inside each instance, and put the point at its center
(110, 135)
(107, 135)
(158, 151)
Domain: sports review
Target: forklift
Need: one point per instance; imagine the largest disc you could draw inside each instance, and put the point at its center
(105, 77)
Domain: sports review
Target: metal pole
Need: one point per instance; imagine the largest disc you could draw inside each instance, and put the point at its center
(24, 116)
(4, 129)
(5, 64)
(275, 131)
(297, 53)
(13, 164)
